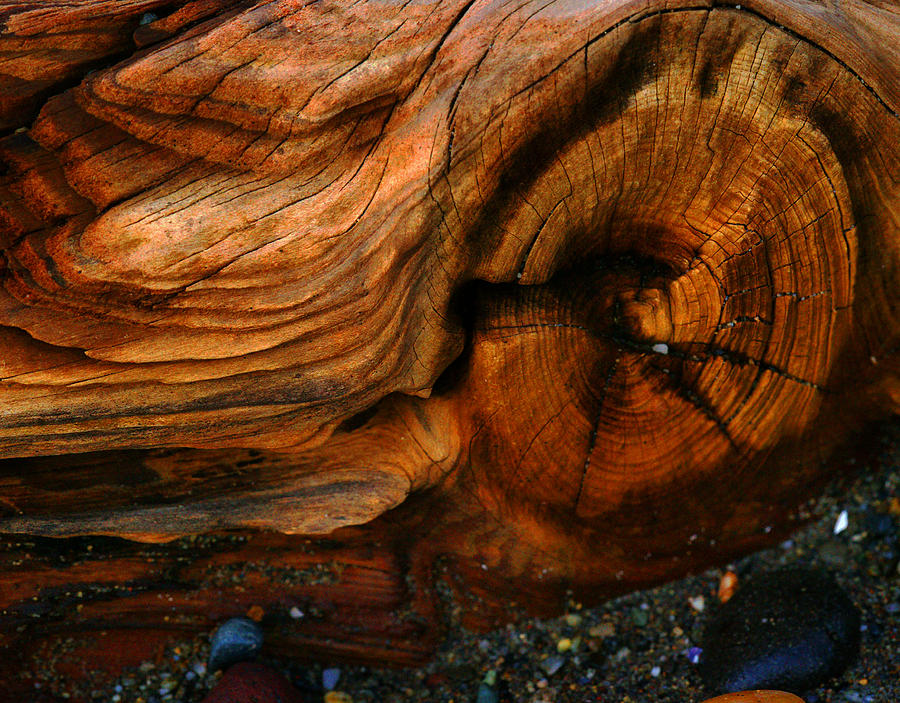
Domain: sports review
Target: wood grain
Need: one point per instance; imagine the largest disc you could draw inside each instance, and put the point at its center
(556, 297)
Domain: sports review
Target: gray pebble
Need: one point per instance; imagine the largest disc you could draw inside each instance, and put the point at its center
(486, 694)
(236, 640)
(639, 617)
(552, 664)
(880, 524)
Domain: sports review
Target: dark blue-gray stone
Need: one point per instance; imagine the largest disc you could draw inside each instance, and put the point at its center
(236, 640)
(880, 524)
(487, 694)
(790, 630)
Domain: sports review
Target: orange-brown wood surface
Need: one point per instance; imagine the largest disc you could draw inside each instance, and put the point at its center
(756, 697)
(404, 310)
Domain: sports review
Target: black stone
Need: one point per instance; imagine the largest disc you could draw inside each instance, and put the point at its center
(790, 629)
(236, 640)
(880, 524)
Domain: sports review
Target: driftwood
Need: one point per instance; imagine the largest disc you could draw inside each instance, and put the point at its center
(514, 303)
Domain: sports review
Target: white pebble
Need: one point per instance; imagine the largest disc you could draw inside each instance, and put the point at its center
(296, 613)
(661, 348)
(698, 603)
(655, 671)
(841, 523)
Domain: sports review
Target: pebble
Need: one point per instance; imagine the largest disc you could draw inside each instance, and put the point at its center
(639, 617)
(330, 678)
(792, 628)
(236, 640)
(486, 694)
(894, 506)
(841, 523)
(552, 664)
(604, 629)
(486, 691)
(880, 524)
(756, 697)
(247, 682)
(727, 586)
(338, 697)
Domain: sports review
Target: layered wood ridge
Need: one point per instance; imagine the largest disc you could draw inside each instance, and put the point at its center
(595, 290)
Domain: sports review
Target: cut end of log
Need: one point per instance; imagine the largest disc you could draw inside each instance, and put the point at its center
(558, 298)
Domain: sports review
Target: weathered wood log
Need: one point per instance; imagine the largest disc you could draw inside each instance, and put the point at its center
(509, 302)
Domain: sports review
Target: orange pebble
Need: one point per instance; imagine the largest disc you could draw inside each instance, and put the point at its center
(727, 586)
(894, 506)
(255, 613)
(756, 697)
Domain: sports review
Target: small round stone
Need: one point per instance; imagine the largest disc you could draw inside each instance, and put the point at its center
(727, 586)
(756, 697)
(573, 619)
(487, 694)
(789, 629)
(880, 524)
(253, 683)
(552, 664)
(236, 640)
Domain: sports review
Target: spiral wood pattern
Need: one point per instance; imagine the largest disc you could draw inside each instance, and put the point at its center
(555, 298)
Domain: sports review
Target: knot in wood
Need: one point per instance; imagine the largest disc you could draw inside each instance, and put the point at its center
(645, 315)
